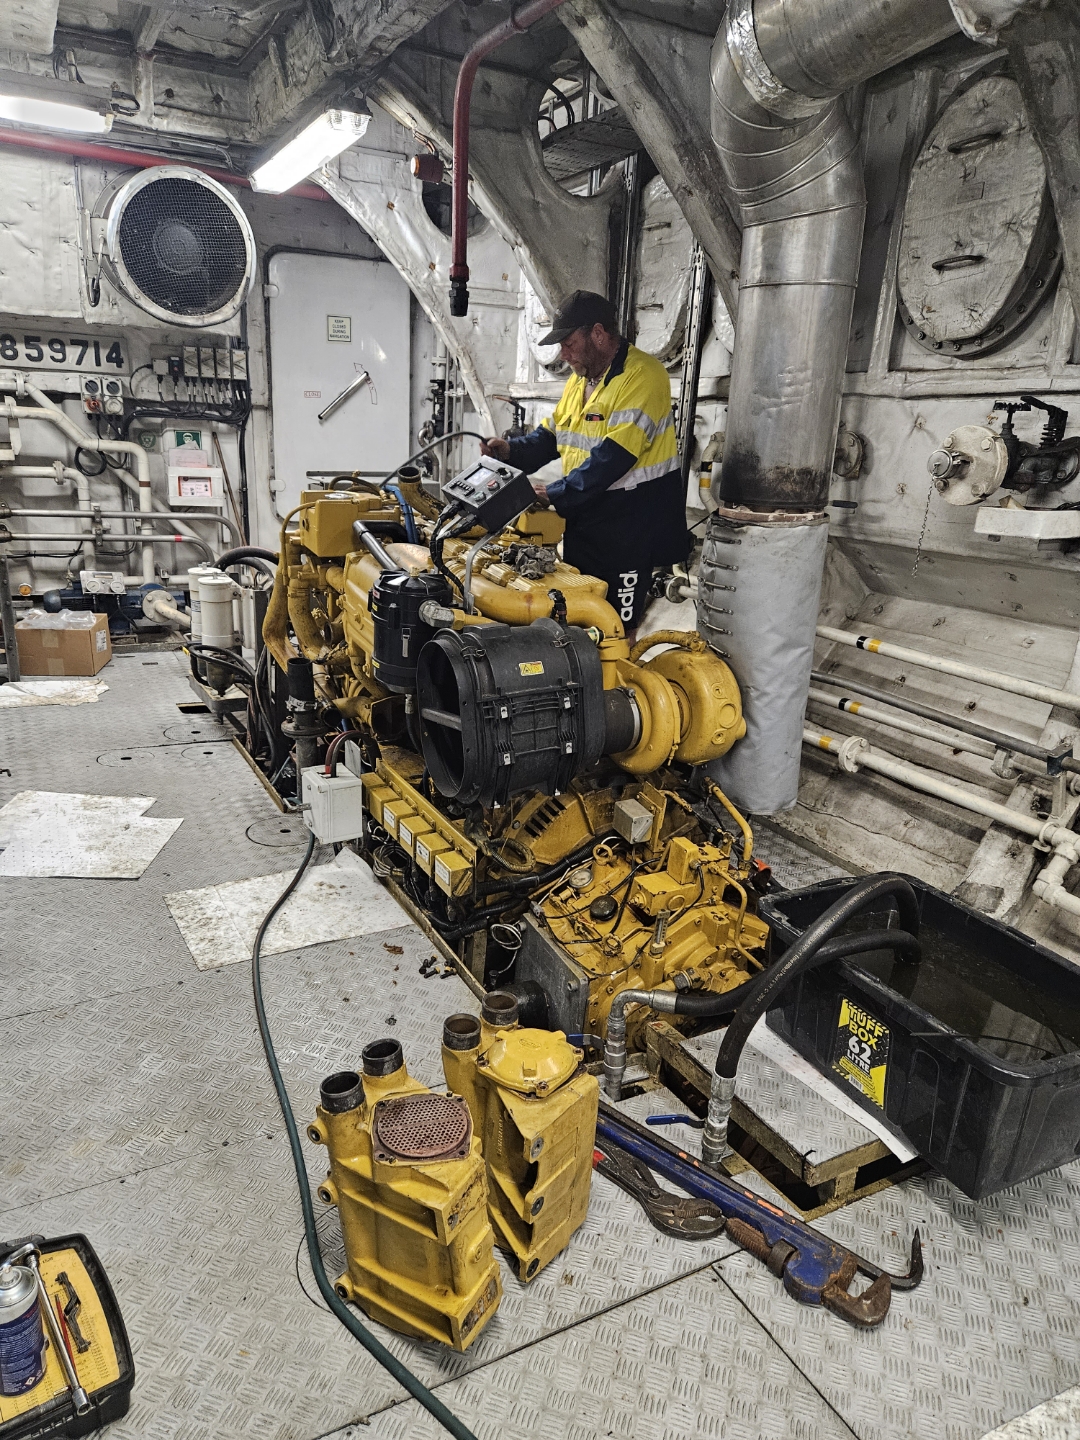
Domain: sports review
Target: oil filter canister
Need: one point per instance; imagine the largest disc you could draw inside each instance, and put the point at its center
(22, 1338)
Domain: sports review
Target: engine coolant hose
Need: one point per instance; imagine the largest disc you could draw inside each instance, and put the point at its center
(768, 986)
(401, 1373)
(713, 1005)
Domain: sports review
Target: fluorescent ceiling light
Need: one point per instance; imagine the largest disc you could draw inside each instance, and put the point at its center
(316, 144)
(53, 114)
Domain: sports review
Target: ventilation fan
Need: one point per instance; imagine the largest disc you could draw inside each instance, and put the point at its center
(177, 244)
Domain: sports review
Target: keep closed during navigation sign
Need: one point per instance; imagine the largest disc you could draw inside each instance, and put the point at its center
(339, 327)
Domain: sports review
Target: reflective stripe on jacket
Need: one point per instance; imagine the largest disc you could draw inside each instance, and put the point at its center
(631, 406)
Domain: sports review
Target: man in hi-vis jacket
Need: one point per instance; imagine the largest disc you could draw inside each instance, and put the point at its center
(621, 492)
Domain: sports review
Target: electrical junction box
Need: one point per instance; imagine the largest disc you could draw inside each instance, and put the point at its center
(192, 485)
(102, 395)
(633, 821)
(336, 801)
(493, 492)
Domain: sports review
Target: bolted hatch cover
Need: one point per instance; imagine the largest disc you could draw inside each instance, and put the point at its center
(979, 249)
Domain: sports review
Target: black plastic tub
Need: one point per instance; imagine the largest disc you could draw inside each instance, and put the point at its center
(972, 1055)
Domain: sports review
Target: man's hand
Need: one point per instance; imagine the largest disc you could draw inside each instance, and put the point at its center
(540, 491)
(496, 448)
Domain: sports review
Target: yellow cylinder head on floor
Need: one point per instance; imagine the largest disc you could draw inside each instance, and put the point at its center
(408, 1179)
(535, 1107)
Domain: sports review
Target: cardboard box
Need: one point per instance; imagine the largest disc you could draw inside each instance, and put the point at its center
(64, 652)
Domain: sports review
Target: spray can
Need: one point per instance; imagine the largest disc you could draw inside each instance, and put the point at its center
(22, 1339)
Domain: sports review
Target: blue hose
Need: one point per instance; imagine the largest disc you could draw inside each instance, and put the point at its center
(406, 513)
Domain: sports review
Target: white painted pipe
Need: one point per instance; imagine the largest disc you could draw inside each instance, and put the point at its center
(58, 471)
(148, 541)
(854, 753)
(86, 441)
(924, 729)
(139, 483)
(1049, 886)
(1010, 683)
(173, 516)
(157, 605)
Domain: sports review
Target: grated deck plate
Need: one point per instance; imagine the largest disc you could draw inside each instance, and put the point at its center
(145, 1117)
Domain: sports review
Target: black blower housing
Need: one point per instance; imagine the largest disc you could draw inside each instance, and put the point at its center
(400, 634)
(509, 708)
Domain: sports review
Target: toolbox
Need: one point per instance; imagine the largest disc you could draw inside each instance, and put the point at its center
(972, 1054)
(99, 1349)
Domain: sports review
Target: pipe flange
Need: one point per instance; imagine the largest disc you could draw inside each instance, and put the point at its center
(970, 466)
(850, 750)
(753, 70)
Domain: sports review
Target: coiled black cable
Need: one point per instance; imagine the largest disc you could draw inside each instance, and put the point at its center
(401, 1373)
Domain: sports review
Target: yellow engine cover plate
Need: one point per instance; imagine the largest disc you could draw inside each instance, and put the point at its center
(530, 1062)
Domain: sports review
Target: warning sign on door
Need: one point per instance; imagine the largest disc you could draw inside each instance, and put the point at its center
(339, 327)
(861, 1055)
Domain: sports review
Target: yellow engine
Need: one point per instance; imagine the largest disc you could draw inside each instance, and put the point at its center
(532, 781)
(408, 1180)
(652, 916)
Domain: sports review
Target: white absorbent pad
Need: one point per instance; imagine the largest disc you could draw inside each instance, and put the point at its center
(50, 692)
(332, 902)
(100, 837)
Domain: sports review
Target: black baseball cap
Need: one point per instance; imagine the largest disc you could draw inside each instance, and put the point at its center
(581, 310)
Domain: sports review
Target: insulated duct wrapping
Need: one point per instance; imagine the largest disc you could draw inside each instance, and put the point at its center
(792, 161)
(758, 587)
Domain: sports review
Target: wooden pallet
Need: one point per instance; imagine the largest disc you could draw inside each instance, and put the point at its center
(812, 1187)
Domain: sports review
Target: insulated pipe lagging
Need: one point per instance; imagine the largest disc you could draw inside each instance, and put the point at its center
(711, 1005)
(771, 983)
(791, 159)
(519, 19)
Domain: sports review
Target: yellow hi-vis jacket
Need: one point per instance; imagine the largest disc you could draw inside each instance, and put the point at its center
(631, 409)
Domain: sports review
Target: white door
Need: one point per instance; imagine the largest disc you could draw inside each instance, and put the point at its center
(330, 319)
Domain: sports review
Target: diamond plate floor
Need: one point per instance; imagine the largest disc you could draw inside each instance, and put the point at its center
(138, 1109)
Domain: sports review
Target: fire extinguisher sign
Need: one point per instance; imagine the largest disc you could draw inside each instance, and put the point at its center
(861, 1055)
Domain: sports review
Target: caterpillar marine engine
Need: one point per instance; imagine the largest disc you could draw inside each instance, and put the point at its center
(534, 785)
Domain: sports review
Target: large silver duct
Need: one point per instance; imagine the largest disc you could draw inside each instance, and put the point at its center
(790, 157)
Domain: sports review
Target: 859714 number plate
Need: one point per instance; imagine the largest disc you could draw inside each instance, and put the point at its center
(96, 354)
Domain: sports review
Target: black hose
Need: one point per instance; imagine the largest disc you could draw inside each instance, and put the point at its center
(706, 1004)
(401, 1373)
(239, 553)
(439, 440)
(802, 954)
(513, 889)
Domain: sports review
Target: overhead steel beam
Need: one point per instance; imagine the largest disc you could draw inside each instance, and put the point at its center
(312, 61)
(659, 74)
(560, 240)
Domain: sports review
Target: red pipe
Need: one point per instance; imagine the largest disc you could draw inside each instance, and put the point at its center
(519, 20)
(140, 159)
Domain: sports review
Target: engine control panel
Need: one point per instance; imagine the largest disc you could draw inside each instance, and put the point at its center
(494, 493)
